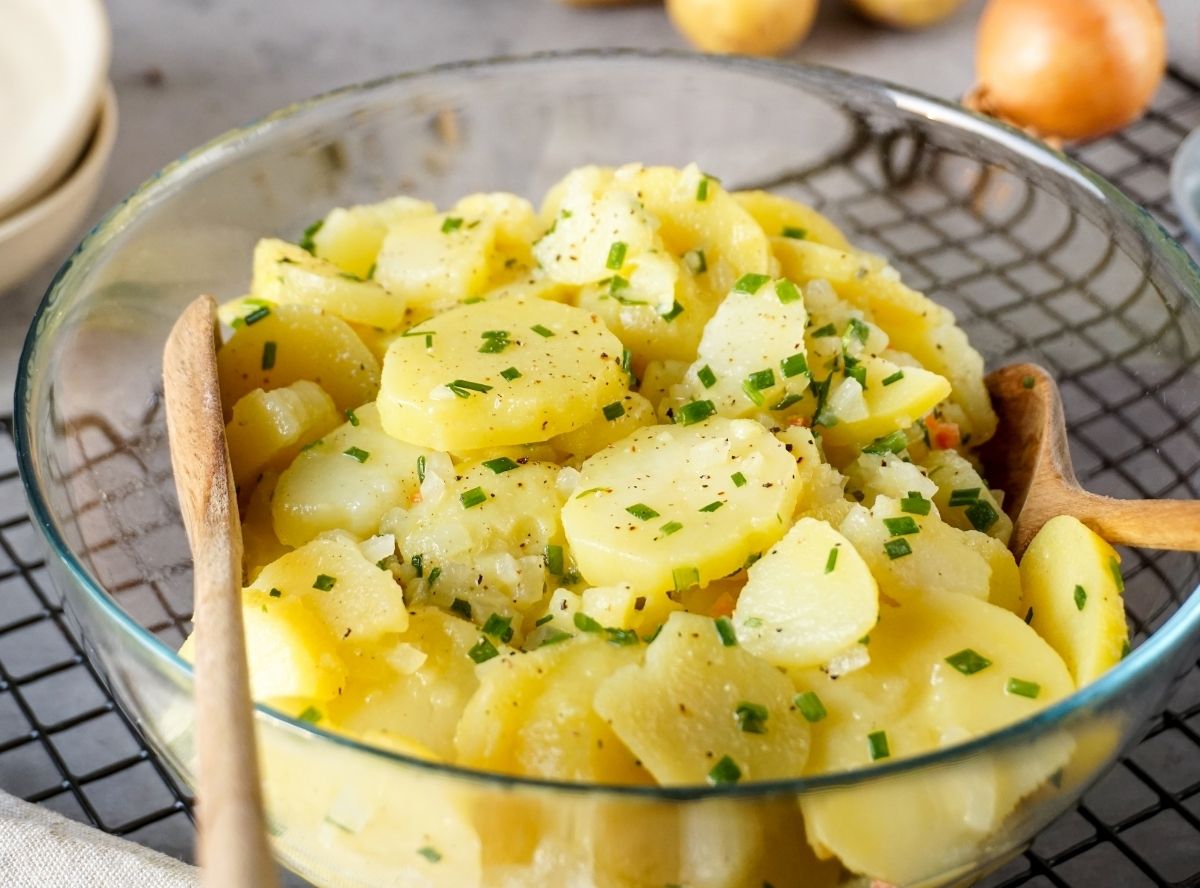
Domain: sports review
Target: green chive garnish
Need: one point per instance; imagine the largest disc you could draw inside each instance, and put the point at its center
(794, 365)
(433, 576)
(451, 223)
(483, 651)
(312, 715)
(462, 607)
(1114, 567)
(306, 239)
(544, 332)
(554, 560)
(462, 388)
(685, 578)
(895, 377)
(696, 261)
(696, 411)
(897, 548)
(612, 411)
(827, 330)
(498, 627)
(1022, 688)
(268, 355)
(856, 329)
(543, 620)
(787, 291)
(895, 442)
(675, 311)
(810, 706)
(702, 189)
(786, 401)
(795, 233)
(616, 256)
(357, 453)
(324, 582)
(726, 631)
(433, 855)
(352, 417)
(500, 465)
(1080, 597)
(968, 661)
(418, 563)
(707, 378)
(831, 561)
(964, 496)
(584, 623)
(751, 717)
(257, 315)
(511, 373)
(472, 497)
(901, 526)
(750, 283)
(762, 379)
(724, 772)
(620, 636)
(642, 511)
(274, 593)
(421, 469)
(712, 507)
(877, 745)
(670, 527)
(981, 515)
(739, 480)
(915, 504)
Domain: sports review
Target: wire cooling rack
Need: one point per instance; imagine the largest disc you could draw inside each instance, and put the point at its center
(65, 744)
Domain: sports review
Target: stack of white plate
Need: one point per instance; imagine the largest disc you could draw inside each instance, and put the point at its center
(58, 122)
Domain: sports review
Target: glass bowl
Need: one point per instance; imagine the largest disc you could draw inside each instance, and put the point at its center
(1040, 259)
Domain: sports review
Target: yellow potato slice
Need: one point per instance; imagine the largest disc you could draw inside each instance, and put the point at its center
(293, 342)
(780, 217)
(436, 260)
(350, 237)
(269, 428)
(260, 546)
(616, 420)
(810, 597)
(879, 409)
(286, 274)
(702, 710)
(446, 383)
(1071, 579)
(728, 485)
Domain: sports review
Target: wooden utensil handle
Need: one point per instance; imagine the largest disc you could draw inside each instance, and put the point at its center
(1146, 524)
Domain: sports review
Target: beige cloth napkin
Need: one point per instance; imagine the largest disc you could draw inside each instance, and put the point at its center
(41, 849)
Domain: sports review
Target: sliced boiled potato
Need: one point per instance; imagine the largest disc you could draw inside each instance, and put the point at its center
(260, 546)
(752, 355)
(882, 409)
(533, 715)
(620, 607)
(269, 428)
(614, 421)
(974, 505)
(348, 480)
(350, 237)
(781, 217)
(456, 383)
(598, 238)
(293, 342)
(1071, 581)
(808, 598)
(353, 597)
(678, 506)
(286, 274)
(702, 710)
(439, 260)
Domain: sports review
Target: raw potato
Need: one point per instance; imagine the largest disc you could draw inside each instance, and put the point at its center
(592, 437)
(533, 715)
(810, 597)
(754, 27)
(675, 472)
(565, 377)
(363, 602)
(285, 274)
(777, 215)
(677, 712)
(752, 333)
(907, 13)
(269, 428)
(331, 485)
(1087, 628)
(297, 342)
(350, 237)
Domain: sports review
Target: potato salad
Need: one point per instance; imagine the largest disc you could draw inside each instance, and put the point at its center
(658, 484)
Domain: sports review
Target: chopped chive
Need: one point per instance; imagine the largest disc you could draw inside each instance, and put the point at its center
(357, 453)
(964, 496)
(901, 526)
(462, 607)
(543, 620)
(787, 401)
(311, 444)
(726, 631)
(1114, 567)
(311, 714)
(433, 855)
(787, 291)
(895, 377)
(915, 504)
(616, 284)
(856, 329)
(702, 189)
(751, 560)
(675, 311)
(794, 232)
(856, 371)
(421, 469)
(324, 582)
(752, 393)
(620, 636)
(627, 366)
(306, 239)
(371, 271)
(472, 497)
(554, 635)
(612, 411)
(494, 345)
(685, 578)
(751, 717)
(418, 563)
(877, 745)
(831, 560)
(696, 411)
(584, 623)
(897, 548)
(274, 593)
(511, 373)
(592, 490)
(1027, 382)
(894, 442)
(968, 661)
(616, 255)
(794, 365)
(434, 575)
(649, 639)
(544, 332)
(498, 627)
(696, 261)
(257, 315)
(706, 376)
(642, 511)
(451, 223)
(739, 480)
(670, 527)
(750, 283)
(353, 418)
(1126, 649)
(1028, 616)
(483, 650)
(268, 355)
(761, 379)
(981, 515)
(554, 560)
(713, 506)
(411, 333)
(810, 706)
(827, 330)
(724, 772)
(1080, 597)
(462, 388)
(1022, 688)
(500, 465)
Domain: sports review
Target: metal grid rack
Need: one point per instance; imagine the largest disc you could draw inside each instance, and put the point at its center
(65, 744)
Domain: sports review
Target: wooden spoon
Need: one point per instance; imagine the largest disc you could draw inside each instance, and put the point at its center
(1029, 459)
(232, 841)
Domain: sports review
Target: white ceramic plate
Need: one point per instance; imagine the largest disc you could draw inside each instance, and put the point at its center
(35, 234)
(53, 67)
(1185, 184)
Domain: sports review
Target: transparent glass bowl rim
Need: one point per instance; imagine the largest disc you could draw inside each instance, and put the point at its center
(1181, 627)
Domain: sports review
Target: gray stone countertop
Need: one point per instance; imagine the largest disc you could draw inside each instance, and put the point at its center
(186, 70)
